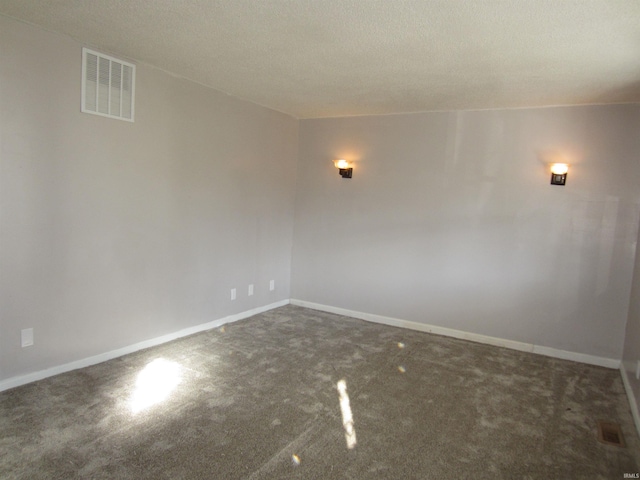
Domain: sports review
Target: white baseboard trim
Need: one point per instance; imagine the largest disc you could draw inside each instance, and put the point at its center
(633, 404)
(474, 337)
(103, 357)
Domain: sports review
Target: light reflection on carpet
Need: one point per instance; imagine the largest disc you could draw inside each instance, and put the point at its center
(155, 383)
(347, 416)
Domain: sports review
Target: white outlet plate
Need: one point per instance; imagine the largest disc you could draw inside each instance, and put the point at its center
(251, 289)
(272, 285)
(27, 337)
(638, 370)
(233, 294)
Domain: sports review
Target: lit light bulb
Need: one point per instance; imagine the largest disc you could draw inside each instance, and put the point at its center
(342, 164)
(559, 168)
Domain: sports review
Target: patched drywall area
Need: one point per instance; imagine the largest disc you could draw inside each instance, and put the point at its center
(114, 232)
(450, 220)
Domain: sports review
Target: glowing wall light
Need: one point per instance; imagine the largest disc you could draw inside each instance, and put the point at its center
(559, 173)
(346, 171)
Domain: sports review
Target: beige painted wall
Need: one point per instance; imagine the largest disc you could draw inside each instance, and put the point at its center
(112, 232)
(450, 220)
(631, 356)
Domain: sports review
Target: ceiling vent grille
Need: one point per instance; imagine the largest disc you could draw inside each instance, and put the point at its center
(108, 86)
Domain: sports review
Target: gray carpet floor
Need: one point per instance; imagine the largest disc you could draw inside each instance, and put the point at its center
(272, 397)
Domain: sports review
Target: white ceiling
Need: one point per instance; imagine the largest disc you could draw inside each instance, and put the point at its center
(320, 58)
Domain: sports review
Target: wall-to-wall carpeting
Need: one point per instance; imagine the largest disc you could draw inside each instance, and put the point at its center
(273, 396)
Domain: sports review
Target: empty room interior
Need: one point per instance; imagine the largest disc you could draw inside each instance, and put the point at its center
(319, 239)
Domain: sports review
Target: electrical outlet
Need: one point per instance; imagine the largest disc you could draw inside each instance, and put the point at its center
(27, 337)
(638, 370)
(272, 285)
(251, 289)
(233, 294)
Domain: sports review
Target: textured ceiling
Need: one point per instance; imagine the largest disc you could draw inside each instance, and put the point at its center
(319, 58)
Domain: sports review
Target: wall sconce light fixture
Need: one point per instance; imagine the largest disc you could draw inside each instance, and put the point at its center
(559, 173)
(343, 166)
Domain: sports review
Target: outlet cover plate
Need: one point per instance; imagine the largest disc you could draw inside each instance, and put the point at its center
(638, 370)
(26, 336)
(251, 289)
(233, 294)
